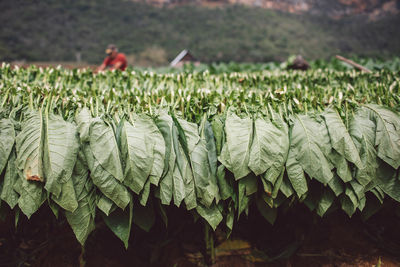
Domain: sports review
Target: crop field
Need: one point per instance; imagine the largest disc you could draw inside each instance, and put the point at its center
(131, 150)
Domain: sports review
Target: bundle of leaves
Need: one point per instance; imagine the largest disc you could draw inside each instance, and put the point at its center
(212, 145)
(125, 169)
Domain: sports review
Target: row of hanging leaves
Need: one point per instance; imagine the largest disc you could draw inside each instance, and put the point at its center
(124, 169)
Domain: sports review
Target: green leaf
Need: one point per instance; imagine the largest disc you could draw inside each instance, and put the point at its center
(83, 119)
(211, 148)
(165, 189)
(7, 138)
(372, 206)
(105, 204)
(326, 201)
(266, 211)
(224, 183)
(296, 176)
(246, 187)
(105, 149)
(163, 213)
(137, 152)
(120, 222)
(349, 201)
(287, 189)
(362, 131)
(388, 179)
(144, 217)
(172, 183)
(170, 176)
(211, 214)
(106, 182)
(236, 151)
(53, 206)
(218, 130)
(269, 148)
(387, 141)
(190, 191)
(336, 185)
(182, 137)
(358, 190)
(67, 199)
(279, 183)
(29, 146)
(341, 165)
(341, 140)
(82, 219)
(8, 194)
(32, 196)
(312, 199)
(144, 195)
(179, 191)
(60, 152)
(190, 132)
(145, 125)
(185, 171)
(379, 194)
(230, 217)
(274, 174)
(307, 153)
(205, 184)
(250, 184)
(361, 203)
(103, 179)
(328, 141)
(158, 152)
(164, 124)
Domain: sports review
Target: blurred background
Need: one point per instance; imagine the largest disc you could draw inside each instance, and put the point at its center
(154, 32)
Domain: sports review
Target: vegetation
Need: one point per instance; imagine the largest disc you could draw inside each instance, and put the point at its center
(122, 146)
(332, 64)
(56, 31)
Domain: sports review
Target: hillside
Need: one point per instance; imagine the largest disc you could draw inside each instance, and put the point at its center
(153, 35)
(375, 9)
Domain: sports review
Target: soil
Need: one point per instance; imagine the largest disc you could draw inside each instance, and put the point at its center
(298, 238)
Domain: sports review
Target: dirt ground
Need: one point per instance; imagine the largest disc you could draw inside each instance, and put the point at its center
(298, 238)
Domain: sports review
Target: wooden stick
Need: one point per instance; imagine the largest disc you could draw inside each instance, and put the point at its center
(352, 63)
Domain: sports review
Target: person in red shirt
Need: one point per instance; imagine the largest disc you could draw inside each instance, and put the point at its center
(114, 60)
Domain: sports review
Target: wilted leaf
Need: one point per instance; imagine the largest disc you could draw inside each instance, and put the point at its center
(29, 146)
(8, 194)
(7, 137)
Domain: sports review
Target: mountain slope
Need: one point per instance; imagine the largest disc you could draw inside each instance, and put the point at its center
(333, 8)
(49, 31)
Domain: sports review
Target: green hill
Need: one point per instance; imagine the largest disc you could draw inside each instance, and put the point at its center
(62, 31)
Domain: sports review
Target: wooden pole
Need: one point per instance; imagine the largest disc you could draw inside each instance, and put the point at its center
(352, 63)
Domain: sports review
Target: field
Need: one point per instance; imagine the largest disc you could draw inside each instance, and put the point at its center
(262, 165)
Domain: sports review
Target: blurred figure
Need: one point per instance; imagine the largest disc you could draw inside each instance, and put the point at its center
(114, 60)
(299, 63)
